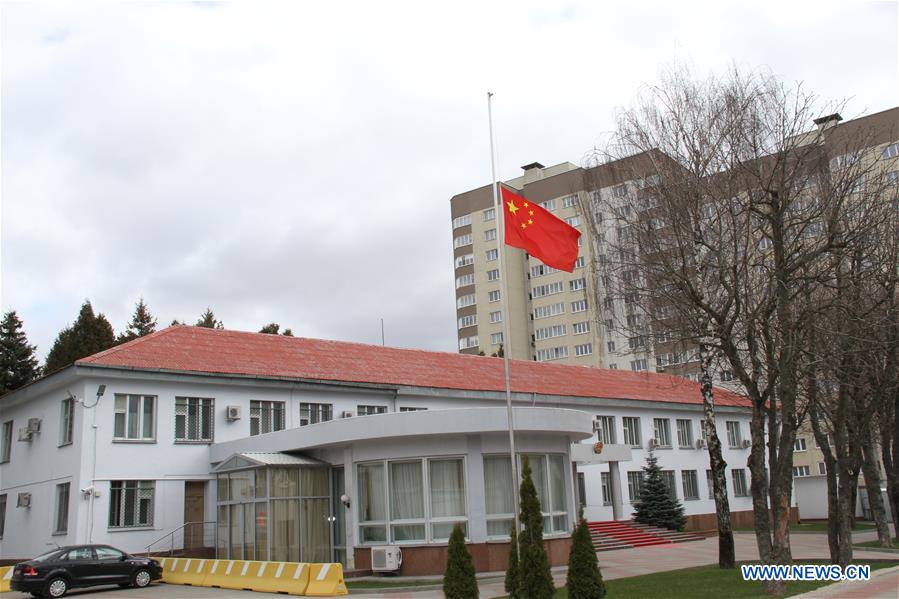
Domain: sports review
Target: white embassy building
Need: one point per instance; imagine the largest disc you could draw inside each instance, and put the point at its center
(253, 446)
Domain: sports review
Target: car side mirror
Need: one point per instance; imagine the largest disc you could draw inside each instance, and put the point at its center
(123, 558)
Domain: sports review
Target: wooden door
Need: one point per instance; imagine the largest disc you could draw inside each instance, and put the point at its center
(194, 501)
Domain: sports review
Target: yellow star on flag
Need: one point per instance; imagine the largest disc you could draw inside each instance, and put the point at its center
(512, 207)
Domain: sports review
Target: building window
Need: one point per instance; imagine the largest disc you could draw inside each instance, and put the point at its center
(489, 234)
(134, 417)
(548, 474)
(411, 409)
(496, 338)
(668, 479)
(266, 417)
(462, 240)
(6, 449)
(638, 365)
(313, 413)
(727, 376)
(493, 275)
(370, 410)
(552, 353)
(799, 444)
(684, 433)
(468, 342)
(580, 328)
(492, 255)
(579, 306)
(691, 486)
(494, 296)
(194, 419)
(465, 300)
(569, 201)
(573, 221)
(799, 471)
(610, 346)
(2, 514)
(461, 221)
(613, 366)
(469, 320)
(579, 263)
(556, 330)
(584, 349)
(605, 429)
(549, 204)
(489, 214)
(66, 421)
(496, 316)
(131, 503)
(464, 260)
(538, 270)
(548, 289)
(465, 280)
(710, 483)
(822, 468)
(632, 435)
(578, 284)
(739, 478)
(634, 485)
(550, 310)
(733, 434)
(637, 342)
(61, 521)
(581, 489)
(605, 482)
(891, 151)
(662, 431)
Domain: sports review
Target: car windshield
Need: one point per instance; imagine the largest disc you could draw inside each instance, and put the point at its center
(45, 556)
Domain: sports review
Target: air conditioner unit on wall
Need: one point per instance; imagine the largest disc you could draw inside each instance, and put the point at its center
(23, 500)
(25, 434)
(701, 444)
(386, 558)
(346, 414)
(746, 444)
(232, 413)
(34, 425)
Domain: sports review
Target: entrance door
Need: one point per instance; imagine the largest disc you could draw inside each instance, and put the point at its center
(194, 502)
(315, 533)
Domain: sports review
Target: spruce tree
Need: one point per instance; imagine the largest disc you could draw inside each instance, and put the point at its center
(18, 364)
(512, 572)
(535, 579)
(459, 581)
(584, 578)
(88, 335)
(142, 323)
(208, 320)
(271, 328)
(656, 506)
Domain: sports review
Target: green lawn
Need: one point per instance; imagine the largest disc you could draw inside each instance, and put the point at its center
(814, 527)
(875, 543)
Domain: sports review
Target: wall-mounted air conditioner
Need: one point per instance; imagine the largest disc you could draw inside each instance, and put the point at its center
(23, 500)
(386, 558)
(232, 413)
(346, 414)
(25, 434)
(34, 425)
(701, 444)
(746, 444)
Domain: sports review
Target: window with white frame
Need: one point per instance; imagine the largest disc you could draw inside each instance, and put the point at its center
(799, 471)
(492, 255)
(370, 410)
(194, 418)
(636, 342)
(313, 413)
(610, 346)
(634, 485)
(549, 204)
(556, 330)
(464, 260)
(462, 240)
(468, 342)
(691, 486)
(548, 474)
(605, 481)
(727, 376)
(489, 234)
(822, 468)
(684, 433)
(61, 515)
(584, 349)
(410, 501)
(131, 503)
(465, 280)
(668, 479)
(461, 221)
(493, 275)
(465, 300)
(549, 310)
(739, 478)
(579, 306)
(6, 448)
(134, 417)
(496, 316)
(799, 444)
(538, 270)
(489, 214)
(494, 296)
(411, 409)
(548, 289)
(579, 263)
(552, 353)
(573, 221)
(266, 417)
(569, 201)
(577, 284)
(605, 429)
(632, 436)
(734, 438)
(66, 421)
(580, 328)
(638, 365)
(891, 151)
(661, 429)
(496, 338)
(469, 320)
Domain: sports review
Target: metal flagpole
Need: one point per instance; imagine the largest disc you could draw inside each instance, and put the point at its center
(504, 306)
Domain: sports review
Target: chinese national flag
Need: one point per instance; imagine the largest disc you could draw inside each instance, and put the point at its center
(539, 232)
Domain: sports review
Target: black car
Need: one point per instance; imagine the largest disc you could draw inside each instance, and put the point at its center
(55, 572)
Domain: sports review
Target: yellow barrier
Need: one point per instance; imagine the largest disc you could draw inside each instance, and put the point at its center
(326, 580)
(276, 577)
(184, 570)
(225, 574)
(5, 575)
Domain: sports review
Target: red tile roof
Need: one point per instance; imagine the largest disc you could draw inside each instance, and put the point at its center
(185, 348)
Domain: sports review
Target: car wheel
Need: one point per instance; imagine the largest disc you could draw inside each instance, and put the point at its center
(141, 578)
(56, 587)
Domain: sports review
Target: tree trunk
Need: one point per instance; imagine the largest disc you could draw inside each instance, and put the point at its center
(872, 485)
(833, 504)
(726, 551)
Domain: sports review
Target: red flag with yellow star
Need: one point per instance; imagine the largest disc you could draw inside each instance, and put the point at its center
(539, 232)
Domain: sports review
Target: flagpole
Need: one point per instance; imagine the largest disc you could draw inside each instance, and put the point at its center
(504, 306)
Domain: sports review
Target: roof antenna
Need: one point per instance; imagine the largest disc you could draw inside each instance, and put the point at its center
(382, 332)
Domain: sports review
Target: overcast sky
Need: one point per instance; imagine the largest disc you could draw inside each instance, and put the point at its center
(293, 162)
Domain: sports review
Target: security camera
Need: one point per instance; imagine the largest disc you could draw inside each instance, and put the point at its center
(86, 491)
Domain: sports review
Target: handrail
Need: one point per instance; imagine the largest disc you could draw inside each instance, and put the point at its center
(172, 534)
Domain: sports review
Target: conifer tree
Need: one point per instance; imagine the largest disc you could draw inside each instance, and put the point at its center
(271, 328)
(208, 320)
(142, 323)
(534, 578)
(584, 578)
(18, 364)
(459, 581)
(656, 506)
(88, 335)
(512, 572)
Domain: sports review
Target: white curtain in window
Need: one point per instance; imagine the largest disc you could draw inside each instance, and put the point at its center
(498, 484)
(557, 483)
(538, 474)
(406, 493)
(371, 493)
(447, 488)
